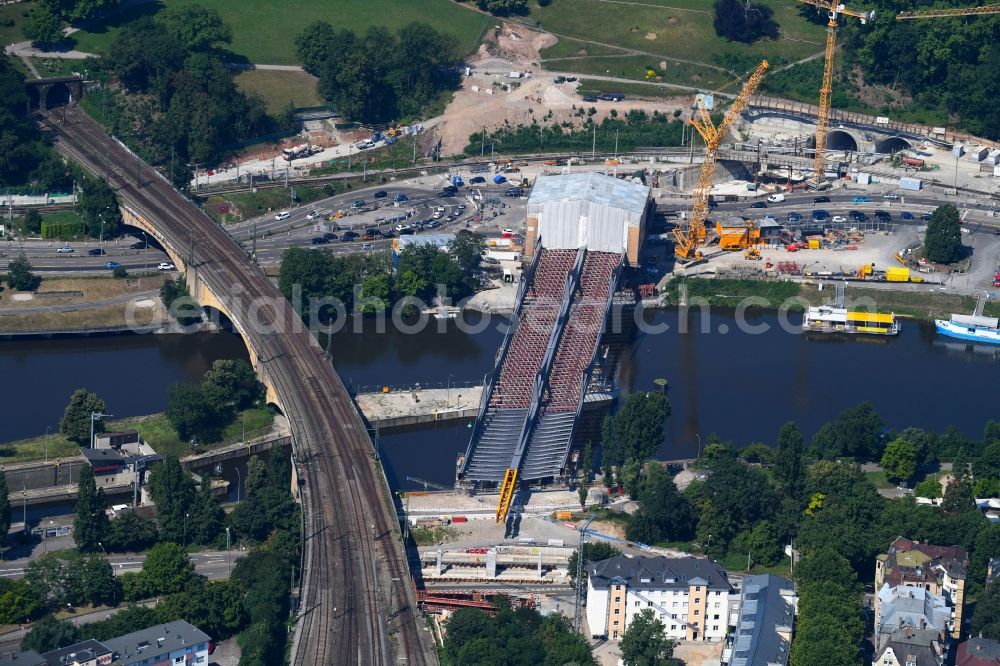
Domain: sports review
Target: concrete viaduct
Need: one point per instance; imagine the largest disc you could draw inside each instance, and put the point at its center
(357, 603)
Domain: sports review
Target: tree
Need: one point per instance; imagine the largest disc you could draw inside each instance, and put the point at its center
(645, 642)
(664, 514)
(50, 634)
(206, 515)
(930, 488)
(173, 492)
(788, 468)
(636, 430)
(178, 302)
(131, 532)
(91, 522)
(592, 552)
(958, 497)
(987, 465)
(467, 248)
(313, 44)
(986, 619)
(899, 460)
(4, 510)
(75, 423)
(744, 21)
(167, 569)
(943, 239)
(196, 27)
(764, 544)
(503, 7)
(856, 432)
(98, 207)
(194, 414)
(19, 275)
(18, 602)
(43, 27)
(232, 381)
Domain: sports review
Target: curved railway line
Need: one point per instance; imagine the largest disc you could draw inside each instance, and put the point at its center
(357, 605)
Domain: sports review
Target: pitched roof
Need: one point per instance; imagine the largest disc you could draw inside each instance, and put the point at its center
(910, 645)
(763, 611)
(77, 653)
(914, 606)
(911, 561)
(978, 652)
(658, 573)
(156, 641)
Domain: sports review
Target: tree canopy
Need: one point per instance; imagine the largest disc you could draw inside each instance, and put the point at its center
(645, 642)
(744, 21)
(75, 422)
(378, 76)
(943, 238)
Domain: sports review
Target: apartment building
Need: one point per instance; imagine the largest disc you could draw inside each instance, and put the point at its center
(941, 570)
(909, 646)
(690, 595)
(762, 621)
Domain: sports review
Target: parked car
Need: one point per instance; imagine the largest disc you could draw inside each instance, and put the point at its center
(476, 180)
(400, 197)
(65, 249)
(349, 236)
(112, 265)
(559, 79)
(165, 266)
(839, 219)
(857, 215)
(860, 200)
(570, 79)
(823, 199)
(319, 240)
(926, 216)
(515, 192)
(460, 206)
(96, 252)
(406, 232)
(358, 204)
(381, 194)
(589, 98)
(906, 215)
(758, 204)
(432, 224)
(891, 196)
(794, 217)
(367, 246)
(437, 215)
(329, 236)
(283, 215)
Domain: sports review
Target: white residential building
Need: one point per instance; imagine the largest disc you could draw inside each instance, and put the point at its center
(689, 595)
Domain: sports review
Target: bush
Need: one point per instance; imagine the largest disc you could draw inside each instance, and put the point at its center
(744, 23)
(119, 272)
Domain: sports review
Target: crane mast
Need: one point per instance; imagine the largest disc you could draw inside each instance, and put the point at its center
(686, 243)
(949, 13)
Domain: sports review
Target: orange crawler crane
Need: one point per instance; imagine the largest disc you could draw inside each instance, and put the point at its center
(687, 242)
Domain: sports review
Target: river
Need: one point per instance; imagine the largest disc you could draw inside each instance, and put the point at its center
(741, 386)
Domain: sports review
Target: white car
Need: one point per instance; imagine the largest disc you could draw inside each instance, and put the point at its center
(313, 214)
(165, 266)
(65, 249)
(283, 215)
(400, 227)
(839, 219)
(437, 215)
(890, 197)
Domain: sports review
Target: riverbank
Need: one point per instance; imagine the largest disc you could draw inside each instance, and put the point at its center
(915, 302)
(84, 305)
(155, 430)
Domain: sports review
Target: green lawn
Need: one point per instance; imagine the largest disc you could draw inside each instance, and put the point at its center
(11, 34)
(877, 479)
(155, 430)
(682, 28)
(264, 32)
(277, 89)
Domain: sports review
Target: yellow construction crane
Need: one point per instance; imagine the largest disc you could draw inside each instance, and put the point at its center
(948, 13)
(834, 10)
(686, 243)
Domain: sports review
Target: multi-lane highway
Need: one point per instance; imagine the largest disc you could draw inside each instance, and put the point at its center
(357, 604)
(215, 565)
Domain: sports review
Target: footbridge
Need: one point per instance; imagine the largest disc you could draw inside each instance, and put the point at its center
(357, 605)
(535, 393)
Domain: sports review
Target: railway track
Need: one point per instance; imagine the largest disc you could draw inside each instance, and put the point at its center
(357, 605)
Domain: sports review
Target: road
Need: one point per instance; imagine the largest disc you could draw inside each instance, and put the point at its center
(214, 565)
(356, 592)
(74, 307)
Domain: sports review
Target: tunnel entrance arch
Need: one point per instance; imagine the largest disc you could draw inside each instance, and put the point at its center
(892, 144)
(44, 94)
(838, 139)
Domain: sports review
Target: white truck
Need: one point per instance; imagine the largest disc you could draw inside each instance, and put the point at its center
(777, 197)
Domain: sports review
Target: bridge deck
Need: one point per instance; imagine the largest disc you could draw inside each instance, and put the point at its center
(356, 572)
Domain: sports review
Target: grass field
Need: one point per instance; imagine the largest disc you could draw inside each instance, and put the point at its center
(12, 34)
(264, 32)
(682, 29)
(277, 89)
(154, 429)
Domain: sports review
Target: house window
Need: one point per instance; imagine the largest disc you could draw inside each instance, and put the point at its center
(649, 604)
(697, 600)
(673, 627)
(697, 589)
(616, 623)
(617, 611)
(618, 600)
(615, 636)
(715, 617)
(697, 612)
(637, 604)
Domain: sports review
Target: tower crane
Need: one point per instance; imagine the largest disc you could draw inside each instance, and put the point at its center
(948, 13)
(687, 242)
(834, 11)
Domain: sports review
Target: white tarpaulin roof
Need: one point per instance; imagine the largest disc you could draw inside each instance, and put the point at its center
(592, 187)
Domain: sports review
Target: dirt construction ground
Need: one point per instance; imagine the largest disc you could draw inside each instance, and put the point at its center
(482, 100)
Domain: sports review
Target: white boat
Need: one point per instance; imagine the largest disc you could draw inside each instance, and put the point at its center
(446, 313)
(974, 327)
(826, 319)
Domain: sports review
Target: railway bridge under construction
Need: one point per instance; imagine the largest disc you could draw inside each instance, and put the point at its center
(582, 230)
(357, 604)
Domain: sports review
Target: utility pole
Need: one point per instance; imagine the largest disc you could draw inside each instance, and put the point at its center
(578, 593)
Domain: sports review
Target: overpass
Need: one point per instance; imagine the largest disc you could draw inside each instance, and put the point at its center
(357, 605)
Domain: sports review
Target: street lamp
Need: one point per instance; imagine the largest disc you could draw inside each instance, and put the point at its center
(94, 416)
(185, 530)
